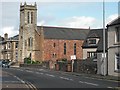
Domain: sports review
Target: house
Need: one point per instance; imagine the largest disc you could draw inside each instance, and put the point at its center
(44, 43)
(9, 48)
(114, 47)
(93, 48)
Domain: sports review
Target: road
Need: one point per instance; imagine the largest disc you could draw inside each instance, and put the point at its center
(42, 78)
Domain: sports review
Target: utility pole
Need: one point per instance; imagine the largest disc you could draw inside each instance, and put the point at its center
(104, 56)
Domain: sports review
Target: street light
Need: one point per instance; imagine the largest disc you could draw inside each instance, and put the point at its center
(104, 56)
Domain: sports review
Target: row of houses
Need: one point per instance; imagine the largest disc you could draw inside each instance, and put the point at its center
(44, 43)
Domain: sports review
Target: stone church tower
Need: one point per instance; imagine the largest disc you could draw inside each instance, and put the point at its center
(27, 29)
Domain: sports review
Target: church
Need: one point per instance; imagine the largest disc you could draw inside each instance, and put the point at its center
(44, 43)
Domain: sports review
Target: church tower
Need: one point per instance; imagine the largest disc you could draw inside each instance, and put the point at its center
(27, 28)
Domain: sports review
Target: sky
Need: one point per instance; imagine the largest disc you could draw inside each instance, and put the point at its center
(61, 14)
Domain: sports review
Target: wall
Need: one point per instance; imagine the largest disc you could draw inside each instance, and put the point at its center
(49, 49)
(88, 50)
(111, 61)
(113, 48)
(102, 64)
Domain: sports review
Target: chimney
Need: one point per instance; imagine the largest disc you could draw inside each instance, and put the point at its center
(5, 36)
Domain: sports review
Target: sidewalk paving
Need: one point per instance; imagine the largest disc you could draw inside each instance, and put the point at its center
(115, 78)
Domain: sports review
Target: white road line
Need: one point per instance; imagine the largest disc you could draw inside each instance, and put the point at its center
(88, 83)
(39, 73)
(109, 87)
(10, 81)
(19, 79)
(91, 83)
(66, 78)
(50, 75)
(81, 82)
(29, 71)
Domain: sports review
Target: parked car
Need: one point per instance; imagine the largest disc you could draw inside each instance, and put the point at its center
(5, 64)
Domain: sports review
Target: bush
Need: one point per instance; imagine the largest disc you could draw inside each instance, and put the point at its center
(28, 61)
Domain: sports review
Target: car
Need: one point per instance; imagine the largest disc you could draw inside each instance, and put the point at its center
(5, 64)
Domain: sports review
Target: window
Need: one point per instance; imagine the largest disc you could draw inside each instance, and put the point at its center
(30, 42)
(92, 41)
(64, 48)
(54, 55)
(75, 49)
(31, 17)
(117, 35)
(21, 37)
(28, 17)
(117, 61)
(16, 45)
(91, 54)
(54, 45)
(9, 45)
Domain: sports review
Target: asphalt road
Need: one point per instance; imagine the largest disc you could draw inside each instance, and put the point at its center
(42, 78)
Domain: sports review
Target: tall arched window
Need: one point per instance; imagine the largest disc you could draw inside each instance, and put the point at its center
(31, 17)
(30, 42)
(64, 48)
(75, 49)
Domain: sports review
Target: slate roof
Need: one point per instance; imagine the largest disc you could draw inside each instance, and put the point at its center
(114, 22)
(16, 37)
(64, 33)
(96, 33)
(1, 38)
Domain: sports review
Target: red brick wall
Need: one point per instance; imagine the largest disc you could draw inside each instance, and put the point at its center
(49, 49)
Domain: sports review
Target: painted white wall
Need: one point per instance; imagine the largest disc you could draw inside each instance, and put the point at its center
(101, 64)
(88, 50)
(112, 50)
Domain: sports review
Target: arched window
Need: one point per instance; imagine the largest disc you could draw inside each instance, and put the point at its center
(31, 17)
(64, 48)
(75, 49)
(30, 42)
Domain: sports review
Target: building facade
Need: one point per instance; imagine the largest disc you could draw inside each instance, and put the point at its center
(44, 43)
(93, 49)
(9, 48)
(114, 47)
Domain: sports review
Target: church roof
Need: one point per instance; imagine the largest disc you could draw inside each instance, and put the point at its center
(64, 33)
(16, 37)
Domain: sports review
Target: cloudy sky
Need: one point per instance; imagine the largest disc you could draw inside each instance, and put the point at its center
(64, 14)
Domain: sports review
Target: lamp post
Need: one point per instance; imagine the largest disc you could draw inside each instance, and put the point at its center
(104, 56)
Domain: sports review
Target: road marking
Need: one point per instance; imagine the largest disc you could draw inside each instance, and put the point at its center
(19, 79)
(81, 82)
(29, 71)
(88, 83)
(91, 83)
(39, 73)
(66, 78)
(10, 81)
(50, 75)
(109, 87)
